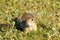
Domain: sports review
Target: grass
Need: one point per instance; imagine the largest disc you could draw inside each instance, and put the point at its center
(47, 13)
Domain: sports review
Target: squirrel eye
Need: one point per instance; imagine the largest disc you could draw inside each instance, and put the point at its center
(31, 19)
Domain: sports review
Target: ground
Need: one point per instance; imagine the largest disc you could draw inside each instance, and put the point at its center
(47, 14)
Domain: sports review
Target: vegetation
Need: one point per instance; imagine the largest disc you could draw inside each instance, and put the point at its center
(47, 13)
